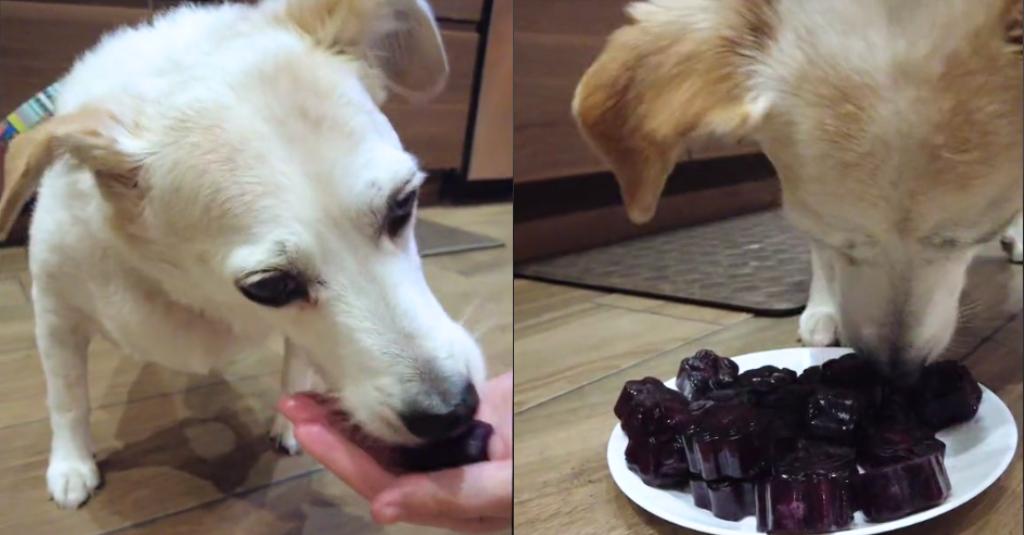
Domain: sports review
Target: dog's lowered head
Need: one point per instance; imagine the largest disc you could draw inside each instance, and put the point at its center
(895, 127)
(259, 182)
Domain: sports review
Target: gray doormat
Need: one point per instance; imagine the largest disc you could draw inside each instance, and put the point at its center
(755, 263)
(436, 239)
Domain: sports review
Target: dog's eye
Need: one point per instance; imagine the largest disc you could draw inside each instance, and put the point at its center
(399, 214)
(274, 288)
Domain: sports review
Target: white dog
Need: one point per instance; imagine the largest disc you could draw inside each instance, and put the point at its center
(226, 173)
(894, 125)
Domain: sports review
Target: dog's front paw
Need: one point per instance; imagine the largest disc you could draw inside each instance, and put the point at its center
(1013, 247)
(819, 327)
(282, 436)
(71, 481)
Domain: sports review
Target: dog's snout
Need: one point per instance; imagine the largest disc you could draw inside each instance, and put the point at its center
(901, 366)
(435, 425)
(903, 369)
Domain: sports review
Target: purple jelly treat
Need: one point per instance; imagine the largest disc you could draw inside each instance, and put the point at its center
(810, 491)
(895, 434)
(850, 371)
(893, 444)
(853, 372)
(728, 441)
(896, 409)
(766, 378)
(728, 499)
(765, 383)
(817, 457)
(659, 461)
(783, 430)
(704, 372)
(792, 398)
(638, 392)
(730, 396)
(946, 394)
(648, 408)
(834, 414)
(810, 376)
(897, 490)
(467, 447)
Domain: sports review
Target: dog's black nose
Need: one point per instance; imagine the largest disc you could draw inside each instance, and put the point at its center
(905, 371)
(434, 426)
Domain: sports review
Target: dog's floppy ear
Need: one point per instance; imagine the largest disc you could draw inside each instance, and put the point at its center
(667, 76)
(398, 37)
(91, 135)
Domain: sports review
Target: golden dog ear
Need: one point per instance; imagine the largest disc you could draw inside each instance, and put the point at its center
(665, 78)
(399, 37)
(92, 135)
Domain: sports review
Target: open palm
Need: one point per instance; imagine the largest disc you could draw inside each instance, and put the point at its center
(471, 498)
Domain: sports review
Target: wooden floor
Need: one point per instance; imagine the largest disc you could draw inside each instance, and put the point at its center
(575, 348)
(189, 454)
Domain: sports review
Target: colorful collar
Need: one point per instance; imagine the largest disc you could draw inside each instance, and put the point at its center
(29, 114)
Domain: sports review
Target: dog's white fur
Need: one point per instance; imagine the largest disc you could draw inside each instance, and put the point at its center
(219, 141)
(895, 126)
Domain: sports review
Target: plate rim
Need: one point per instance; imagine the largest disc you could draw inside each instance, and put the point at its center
(872, 529)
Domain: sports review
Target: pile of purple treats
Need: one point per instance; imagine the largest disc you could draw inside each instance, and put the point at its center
(786, 448)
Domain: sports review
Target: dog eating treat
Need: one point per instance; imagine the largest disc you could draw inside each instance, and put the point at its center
(224, 174)
(894, 126)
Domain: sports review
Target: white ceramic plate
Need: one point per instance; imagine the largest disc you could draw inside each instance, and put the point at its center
(977, 453)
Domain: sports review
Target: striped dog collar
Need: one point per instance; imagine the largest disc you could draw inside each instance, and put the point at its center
(29, 114)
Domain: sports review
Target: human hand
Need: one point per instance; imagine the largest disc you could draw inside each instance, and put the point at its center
(473, 498)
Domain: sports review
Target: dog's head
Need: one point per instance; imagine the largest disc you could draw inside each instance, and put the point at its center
(895, 128)
(273, 193)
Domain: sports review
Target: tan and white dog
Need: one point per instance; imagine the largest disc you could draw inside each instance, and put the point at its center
(225, 173)
(894, 125)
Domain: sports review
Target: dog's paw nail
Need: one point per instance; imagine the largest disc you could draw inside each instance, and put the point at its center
(286, 445)
(819, 328)
(71, 482)
(283, 438)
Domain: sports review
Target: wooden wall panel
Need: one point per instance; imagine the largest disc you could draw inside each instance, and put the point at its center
(491, 157)
(547, 142)
(555, 42)
(468, 10)
(594, 18)
(40, 41)
(435, 131)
